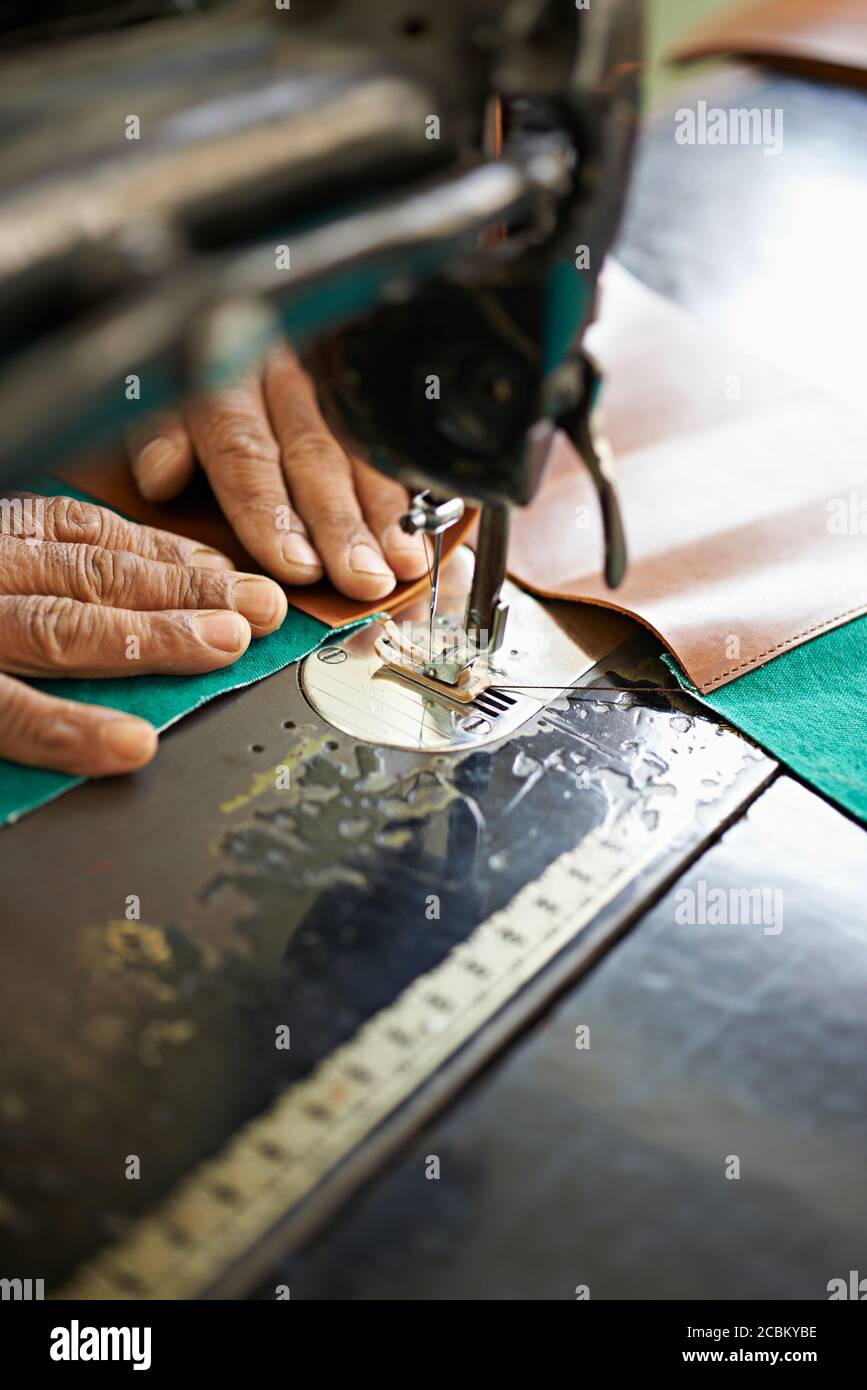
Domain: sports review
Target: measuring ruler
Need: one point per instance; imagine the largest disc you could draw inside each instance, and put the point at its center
(274, 1162)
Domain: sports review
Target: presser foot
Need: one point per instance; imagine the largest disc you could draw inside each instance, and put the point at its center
(450, 667)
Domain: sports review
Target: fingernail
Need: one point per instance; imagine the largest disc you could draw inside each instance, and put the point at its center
(128, 740)
(298, 552)
(226, 632)
(260, 601)
(154, 461)
(207, 559)
(396, 538)
(363, 559)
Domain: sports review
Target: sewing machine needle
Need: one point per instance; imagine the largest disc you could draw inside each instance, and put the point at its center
(434, 587)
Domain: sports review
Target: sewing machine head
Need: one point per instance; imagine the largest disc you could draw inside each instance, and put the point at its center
(440, 185)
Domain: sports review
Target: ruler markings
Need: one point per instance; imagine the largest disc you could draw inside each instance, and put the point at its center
(275, 1160)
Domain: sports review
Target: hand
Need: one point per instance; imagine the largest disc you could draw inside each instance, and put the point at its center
(268, 453)
(101, 596)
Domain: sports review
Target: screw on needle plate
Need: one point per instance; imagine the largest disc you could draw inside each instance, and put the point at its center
(475, 724)
(332, 656)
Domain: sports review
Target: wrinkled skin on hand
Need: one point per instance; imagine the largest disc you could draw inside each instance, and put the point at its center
(269, 454)
(97, 595)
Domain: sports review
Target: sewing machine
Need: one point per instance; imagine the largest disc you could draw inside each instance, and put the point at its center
(421, 202)
(416, 920)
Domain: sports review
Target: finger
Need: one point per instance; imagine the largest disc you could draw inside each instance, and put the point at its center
(322, 484)
(60, 636)
(238, 451)
(84, 740)
(161, 457)
(119, 579)
(384, 502)
(66, 519)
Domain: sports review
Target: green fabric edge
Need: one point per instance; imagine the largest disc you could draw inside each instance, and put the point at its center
(160, 699)
(807, 707)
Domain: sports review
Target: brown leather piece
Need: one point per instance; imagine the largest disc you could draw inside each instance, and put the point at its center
(825, 38)
(196, 514)
(728, 474)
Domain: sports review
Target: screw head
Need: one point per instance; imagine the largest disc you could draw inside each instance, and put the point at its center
(332, 656)
(475, 724)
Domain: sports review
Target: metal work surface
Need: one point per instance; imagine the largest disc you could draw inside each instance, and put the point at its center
(606, 1166)
(306, 906)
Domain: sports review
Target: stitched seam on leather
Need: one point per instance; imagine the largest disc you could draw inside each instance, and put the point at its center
(829, 622)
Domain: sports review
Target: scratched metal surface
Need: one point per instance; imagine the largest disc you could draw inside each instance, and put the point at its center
(262, 907)
(606, 1167)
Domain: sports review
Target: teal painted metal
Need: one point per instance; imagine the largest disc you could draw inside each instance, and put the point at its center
(567, 304)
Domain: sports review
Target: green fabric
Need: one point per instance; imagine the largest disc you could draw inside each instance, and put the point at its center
(160, 699)
(809, 708)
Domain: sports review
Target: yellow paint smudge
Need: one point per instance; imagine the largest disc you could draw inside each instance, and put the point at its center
(267, 781)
